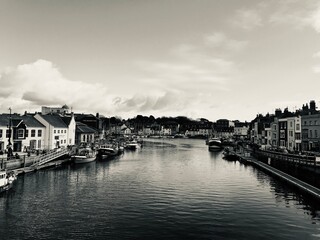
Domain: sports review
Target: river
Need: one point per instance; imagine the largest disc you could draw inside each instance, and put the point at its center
(168, 189)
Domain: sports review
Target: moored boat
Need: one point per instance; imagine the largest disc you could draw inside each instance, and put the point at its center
(107, 152)
(6, 180)
(229, 154)
(214, 144)
(85, 155)
(132, 145)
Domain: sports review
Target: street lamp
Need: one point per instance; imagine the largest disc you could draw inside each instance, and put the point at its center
(10, 154)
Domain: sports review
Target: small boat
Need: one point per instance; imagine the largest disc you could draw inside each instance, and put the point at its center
(106, 152)
(85, 155)
(214, 144)
(6, 180)
(132, 145)
(229, 154)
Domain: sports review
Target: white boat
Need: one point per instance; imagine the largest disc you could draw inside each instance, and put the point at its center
(214, 144)
(6, 180)
(85, 155)
(132, 145)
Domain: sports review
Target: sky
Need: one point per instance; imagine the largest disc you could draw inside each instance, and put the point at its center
(208, 58)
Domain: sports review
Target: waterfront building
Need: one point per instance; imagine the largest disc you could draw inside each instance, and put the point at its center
(310, 125)
(294, 133)
(26, 133)
(274, 131)
(224, 128)
(57, 131)
(84, 133)
(240, 130)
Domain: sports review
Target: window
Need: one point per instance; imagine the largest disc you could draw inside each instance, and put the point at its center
(7, 133)
(315, 133)
(27, 133)
(305, 122)
(39, 144)
(39, 133)
(20, 133)
(315, 122)
(65, 141)
(33, 133)
(290, 124)
(0, 133)
(310, 122)
(61, 141)
(65, 131)
(54, 131)
(58, 131)
(297, 127)
(310, 132)
(291, 133)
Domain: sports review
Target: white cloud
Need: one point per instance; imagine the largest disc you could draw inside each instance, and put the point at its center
(247, 19)
(299, 14)
(220, 40)
(316, 55)
(31, 85)
(316, 69)
(315, 19)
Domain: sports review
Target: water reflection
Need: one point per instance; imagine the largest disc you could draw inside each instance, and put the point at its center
(169, 189)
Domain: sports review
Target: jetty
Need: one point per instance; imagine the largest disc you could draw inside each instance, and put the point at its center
(32, 163)
(245, 155)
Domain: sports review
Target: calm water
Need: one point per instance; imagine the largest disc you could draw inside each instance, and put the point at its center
(169, 189)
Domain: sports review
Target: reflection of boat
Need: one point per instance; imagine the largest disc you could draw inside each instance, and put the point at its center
(106, 152)
(132, 145)
(85, 155)
(6, 180)
(214, 144)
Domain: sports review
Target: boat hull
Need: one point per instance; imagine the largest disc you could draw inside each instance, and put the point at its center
(83, 159)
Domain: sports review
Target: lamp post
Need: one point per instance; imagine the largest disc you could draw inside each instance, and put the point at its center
(10, 154)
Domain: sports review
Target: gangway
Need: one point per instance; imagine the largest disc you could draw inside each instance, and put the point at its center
(49, 156)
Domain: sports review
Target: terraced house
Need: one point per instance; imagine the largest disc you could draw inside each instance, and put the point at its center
(27, 133)
(58, 132)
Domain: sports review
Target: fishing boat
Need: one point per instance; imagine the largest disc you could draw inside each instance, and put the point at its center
(214, 144)
(132, 145)
(107, 152)
(229, 154)
(6, 180)
(85, 155)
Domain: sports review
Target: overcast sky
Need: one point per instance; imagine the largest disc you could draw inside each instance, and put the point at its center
(207, 58)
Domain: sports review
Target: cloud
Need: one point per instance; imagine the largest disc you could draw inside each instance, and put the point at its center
(220, 40)
(29, 86)
(316, 55)
(316, 69)
(247, 19)
(315, 19)
(299, 14)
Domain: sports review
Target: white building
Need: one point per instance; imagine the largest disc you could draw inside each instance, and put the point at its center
(58, 133)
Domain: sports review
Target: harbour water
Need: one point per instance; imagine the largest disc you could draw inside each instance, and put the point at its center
(169, 189)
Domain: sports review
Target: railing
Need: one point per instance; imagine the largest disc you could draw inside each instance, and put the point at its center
(49, 156)
(293, 158)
